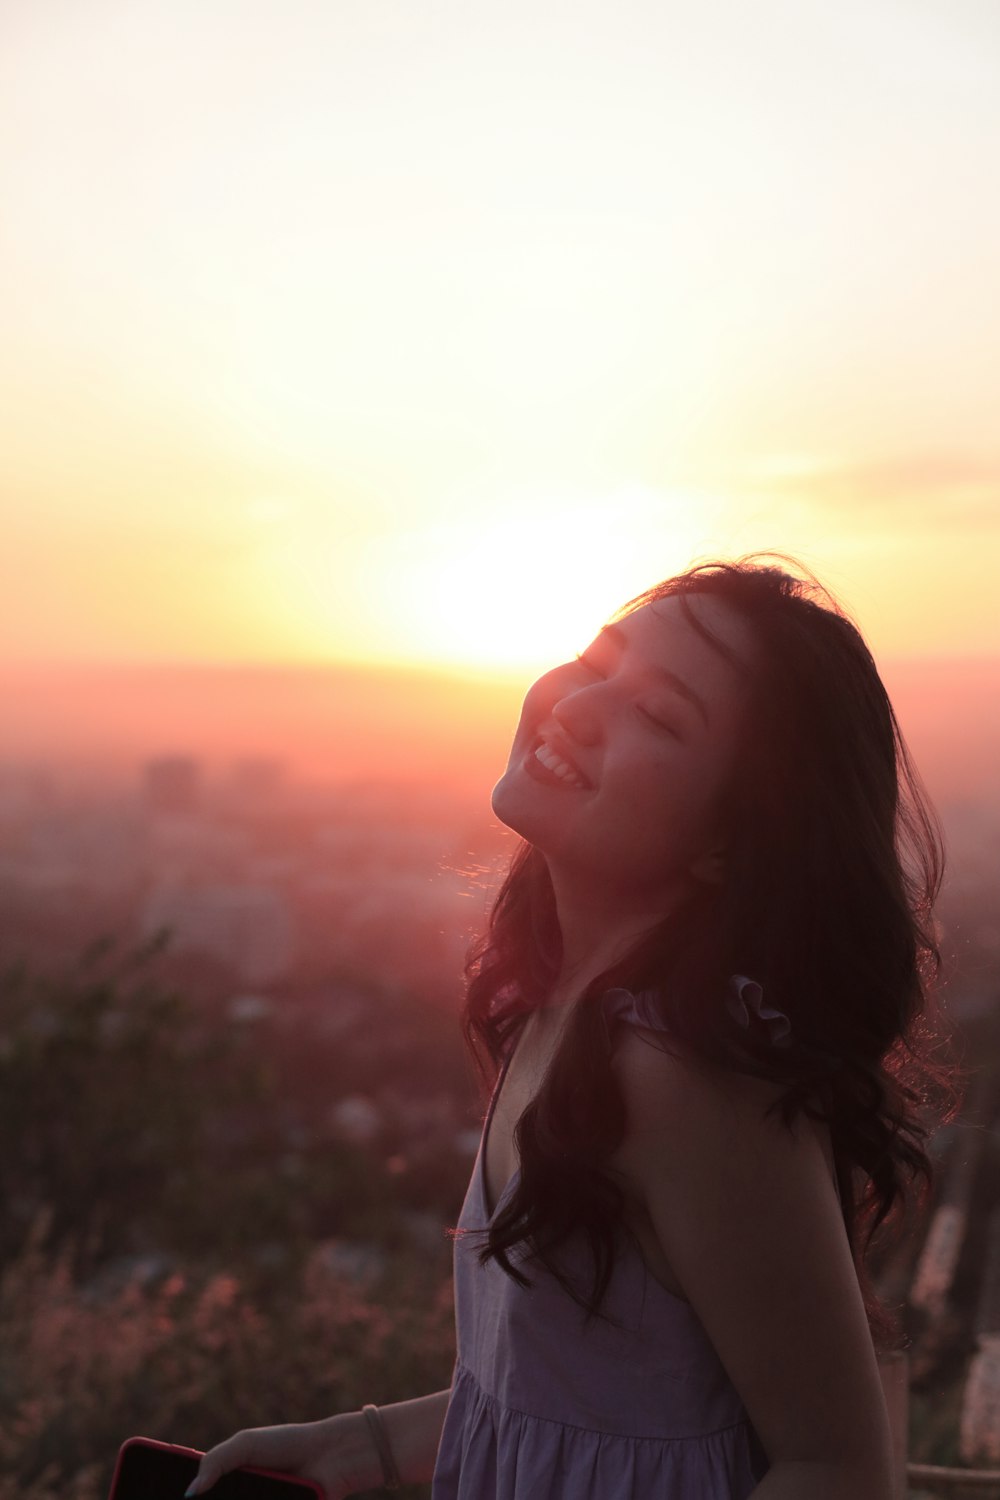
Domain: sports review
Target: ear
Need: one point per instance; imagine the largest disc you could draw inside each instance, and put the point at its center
(710, 867)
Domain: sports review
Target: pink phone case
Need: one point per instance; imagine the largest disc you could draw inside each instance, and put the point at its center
(293, 1488)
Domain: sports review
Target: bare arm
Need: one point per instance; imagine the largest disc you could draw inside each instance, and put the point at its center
(336, 1452)
(414, 1432)
(749, 1220)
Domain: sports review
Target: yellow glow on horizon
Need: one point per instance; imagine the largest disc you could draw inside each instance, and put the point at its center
(526, 576)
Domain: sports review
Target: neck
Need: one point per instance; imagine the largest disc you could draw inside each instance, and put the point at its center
(597, 931)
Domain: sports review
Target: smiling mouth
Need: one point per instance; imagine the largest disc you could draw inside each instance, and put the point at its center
(543, 762)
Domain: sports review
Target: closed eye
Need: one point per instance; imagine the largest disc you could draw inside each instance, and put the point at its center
(658, 722)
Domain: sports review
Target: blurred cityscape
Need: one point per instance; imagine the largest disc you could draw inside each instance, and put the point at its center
(314, 931)
(264, 882)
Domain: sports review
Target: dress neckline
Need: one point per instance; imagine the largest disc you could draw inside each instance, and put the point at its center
(491, 1110)
(658, 1289)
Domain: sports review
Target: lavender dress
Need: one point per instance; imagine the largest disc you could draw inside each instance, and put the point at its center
(542, 1409)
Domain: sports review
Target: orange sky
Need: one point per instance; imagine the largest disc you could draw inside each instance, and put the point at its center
(374, 331)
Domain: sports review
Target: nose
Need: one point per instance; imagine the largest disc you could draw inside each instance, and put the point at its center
(576, 714)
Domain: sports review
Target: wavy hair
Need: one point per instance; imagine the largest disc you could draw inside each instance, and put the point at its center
(835, 860)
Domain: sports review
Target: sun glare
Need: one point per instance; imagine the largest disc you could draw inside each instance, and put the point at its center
(526, 586)
(525, 576)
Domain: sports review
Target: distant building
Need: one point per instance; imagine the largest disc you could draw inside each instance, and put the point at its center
(24, 792)
(172, 786)
(247, 927)
(357, 1118)
(255, 782)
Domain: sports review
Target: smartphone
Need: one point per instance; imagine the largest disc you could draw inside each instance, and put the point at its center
(148, 1470)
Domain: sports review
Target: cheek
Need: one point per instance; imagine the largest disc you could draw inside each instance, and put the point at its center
(665, 796)
(652, 798)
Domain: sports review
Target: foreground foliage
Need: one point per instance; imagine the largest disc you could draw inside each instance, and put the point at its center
(189, 1359)
(187, 1246)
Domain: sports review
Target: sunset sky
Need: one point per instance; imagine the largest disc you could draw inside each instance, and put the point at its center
(380, 330)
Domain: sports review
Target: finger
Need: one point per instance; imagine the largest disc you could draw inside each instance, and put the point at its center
(231, 1454)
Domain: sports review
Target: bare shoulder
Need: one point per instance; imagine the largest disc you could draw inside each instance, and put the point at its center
(692, 1125)
(748, 1219)
(689, 1098)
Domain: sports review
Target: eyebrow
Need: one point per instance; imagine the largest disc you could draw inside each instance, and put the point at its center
(612, 632)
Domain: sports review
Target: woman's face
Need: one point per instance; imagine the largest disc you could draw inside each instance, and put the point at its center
(648, 762)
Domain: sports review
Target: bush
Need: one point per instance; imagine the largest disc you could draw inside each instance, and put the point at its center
(160, 1271)
(191, 1358)
(142, 1123)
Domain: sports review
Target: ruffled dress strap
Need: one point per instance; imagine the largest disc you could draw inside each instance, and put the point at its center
(634, 1007)
(744, 1002)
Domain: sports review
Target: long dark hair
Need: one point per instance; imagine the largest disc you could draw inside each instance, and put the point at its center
(835, 859)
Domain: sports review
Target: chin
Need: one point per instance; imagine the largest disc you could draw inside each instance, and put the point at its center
(509, 808)
(501, 801)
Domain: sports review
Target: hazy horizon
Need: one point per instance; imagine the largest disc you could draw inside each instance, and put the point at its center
(417, 723)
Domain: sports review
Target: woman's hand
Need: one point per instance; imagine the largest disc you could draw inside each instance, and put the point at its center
(336, 1453)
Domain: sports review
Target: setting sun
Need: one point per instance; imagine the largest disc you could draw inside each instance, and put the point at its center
(513, 578)
(529, 577)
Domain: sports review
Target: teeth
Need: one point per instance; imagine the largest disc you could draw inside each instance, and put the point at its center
(550, 760)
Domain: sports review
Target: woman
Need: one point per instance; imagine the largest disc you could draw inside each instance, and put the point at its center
(709, 923)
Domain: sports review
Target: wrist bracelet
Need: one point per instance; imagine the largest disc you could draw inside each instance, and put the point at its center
(390, 1473)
